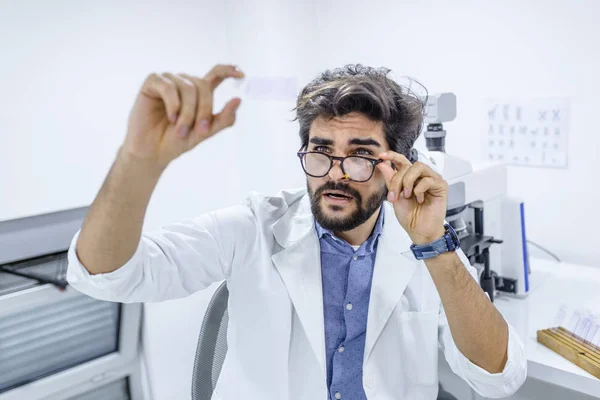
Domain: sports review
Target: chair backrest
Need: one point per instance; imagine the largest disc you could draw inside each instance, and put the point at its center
(212, 346)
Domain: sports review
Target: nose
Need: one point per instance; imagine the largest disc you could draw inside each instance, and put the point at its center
(336, 173)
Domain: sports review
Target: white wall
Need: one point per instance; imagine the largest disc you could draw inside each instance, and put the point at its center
(70, 71)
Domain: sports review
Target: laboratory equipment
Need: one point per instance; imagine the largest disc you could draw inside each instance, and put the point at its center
(57, 343)
(572, 347)
(489, 223)
(582, 323)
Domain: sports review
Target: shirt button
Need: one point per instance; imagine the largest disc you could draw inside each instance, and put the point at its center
(355, 258)
(349, 306)
(341, 349)
(338, 396)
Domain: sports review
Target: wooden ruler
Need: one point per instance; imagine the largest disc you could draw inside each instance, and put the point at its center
(572, 347)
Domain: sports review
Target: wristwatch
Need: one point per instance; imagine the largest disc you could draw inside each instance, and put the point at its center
(448, 242)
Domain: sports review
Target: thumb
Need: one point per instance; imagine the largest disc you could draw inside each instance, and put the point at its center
(226, 117)
(387, 172)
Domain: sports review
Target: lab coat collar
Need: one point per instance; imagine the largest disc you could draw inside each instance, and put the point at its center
(296, 222)
(299, 265)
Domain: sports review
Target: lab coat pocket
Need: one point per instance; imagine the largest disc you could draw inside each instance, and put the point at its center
(419, 344)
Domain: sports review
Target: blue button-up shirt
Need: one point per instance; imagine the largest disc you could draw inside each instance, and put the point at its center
(347, 276)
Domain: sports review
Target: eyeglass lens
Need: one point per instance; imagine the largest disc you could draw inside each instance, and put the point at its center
(357, 168)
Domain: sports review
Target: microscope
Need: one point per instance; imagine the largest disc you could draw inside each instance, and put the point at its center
(489, 223)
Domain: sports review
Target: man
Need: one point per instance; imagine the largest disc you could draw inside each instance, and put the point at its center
(327, 297)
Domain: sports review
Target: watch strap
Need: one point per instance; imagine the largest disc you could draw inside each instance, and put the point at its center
(448, 242)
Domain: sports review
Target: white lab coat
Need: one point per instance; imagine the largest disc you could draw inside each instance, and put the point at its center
(268, 251)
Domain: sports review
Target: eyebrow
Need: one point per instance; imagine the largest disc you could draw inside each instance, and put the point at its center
(355, 141)
(364, 142)
(321, 141)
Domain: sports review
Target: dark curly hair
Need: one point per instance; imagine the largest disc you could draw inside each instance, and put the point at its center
(369, 91)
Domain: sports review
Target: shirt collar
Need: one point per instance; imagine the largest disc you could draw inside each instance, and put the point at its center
(371, 241)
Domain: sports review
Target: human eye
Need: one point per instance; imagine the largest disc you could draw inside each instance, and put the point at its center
(321, 149)
(363, 152)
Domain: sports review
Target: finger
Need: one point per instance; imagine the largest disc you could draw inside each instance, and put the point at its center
(395, 186)
(423, 185)
(226, 117)
(204, 108)
(408, 182)
(189, 98)
(161, 88)
(397, 159)
(221, 72)
(387, 172)
(418, 170)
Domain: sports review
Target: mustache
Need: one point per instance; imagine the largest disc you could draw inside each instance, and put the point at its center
(342, 187)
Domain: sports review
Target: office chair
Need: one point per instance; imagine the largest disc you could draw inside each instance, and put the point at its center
(212, 347)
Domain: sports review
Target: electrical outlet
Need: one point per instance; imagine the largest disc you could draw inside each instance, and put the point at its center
(528, 132)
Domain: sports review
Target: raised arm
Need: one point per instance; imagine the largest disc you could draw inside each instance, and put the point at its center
(171, 115)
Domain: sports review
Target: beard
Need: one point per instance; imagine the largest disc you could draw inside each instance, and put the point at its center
(344, 223)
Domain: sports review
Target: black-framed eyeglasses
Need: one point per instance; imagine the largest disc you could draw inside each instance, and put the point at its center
(355, 168)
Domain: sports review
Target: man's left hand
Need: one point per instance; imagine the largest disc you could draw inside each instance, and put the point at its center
(419, 196)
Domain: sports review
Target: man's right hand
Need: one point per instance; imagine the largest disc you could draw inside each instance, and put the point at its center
(173, 113)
